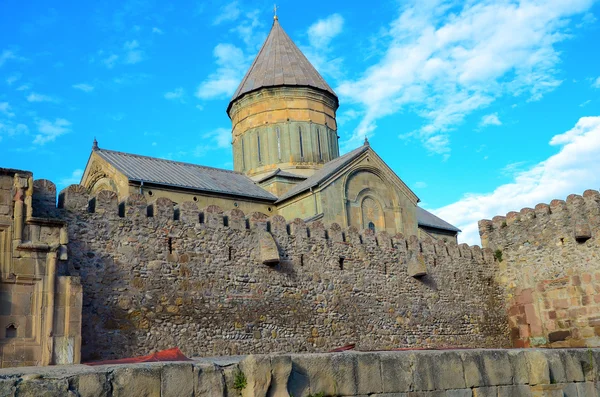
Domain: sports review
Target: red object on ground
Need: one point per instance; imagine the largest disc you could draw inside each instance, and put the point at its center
(343, 348)
(173, 354)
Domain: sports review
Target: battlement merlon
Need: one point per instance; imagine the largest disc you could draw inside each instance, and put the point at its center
(561, 222)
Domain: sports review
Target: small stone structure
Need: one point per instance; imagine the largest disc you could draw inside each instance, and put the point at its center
(549, 267)
(40, 308)
(451, 373)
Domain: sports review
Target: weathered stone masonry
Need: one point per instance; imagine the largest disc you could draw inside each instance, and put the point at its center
(155, 276)
(550, 269)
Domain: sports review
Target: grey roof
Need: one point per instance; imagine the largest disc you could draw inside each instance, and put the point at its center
(427, 219)
(280, 63)
(328, 169)
(184, 175)
(279, 172)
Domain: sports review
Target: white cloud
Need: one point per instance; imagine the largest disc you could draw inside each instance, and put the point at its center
(228, 13)
(420, 185)
(585, 103)
(35, 97)
(12, 78)
(11, 129)
(110, 61)
(73, 179)
(5, 109)
(133, 54)
(6, 55)
(490, 119)
(445, 60)
(23, 87)
(84, 87)
(572, 170)
(177, 93)
(320, 37)
(231, 66)
(596, 83)
(220, 136)
(245, 29)
(324, 30)
(50, 130)
(157, 30)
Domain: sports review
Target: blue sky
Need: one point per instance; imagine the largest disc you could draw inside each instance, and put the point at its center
(480, 107)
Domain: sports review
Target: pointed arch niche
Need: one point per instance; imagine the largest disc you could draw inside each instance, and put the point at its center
(371, 202)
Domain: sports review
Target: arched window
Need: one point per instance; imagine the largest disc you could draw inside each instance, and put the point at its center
(319, 144)
(301, 147)
(372, 226)
(11, 331)
(258, 146)
(243, 156)
(278, 143)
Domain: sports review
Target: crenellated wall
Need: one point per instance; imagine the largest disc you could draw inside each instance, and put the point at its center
(549, 266)
(211, 282)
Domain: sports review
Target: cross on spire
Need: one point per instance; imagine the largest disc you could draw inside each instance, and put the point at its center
(275, 8)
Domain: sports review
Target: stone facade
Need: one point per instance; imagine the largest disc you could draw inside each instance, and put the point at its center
(451, 373)
(214, 282)
(550, 269)
(40, 308)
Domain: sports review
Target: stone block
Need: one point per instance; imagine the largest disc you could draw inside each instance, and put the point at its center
(281, 368)
(555, 367)
(177, 380)
(208, 380)
(570, 390)
(448, 372)
(424, 372)
(586, 389)
(331, 374)
(368, 371)
(496, 367)
(416, 266)
(488, 391)
(514, 391)
(269, 253)
(94, 384)
(8, 386)
(539, 370)
(396, 371)
(473, 369)
(520, 369)
(136, 380)
(459, 393)
(257, 370)
(46, 387)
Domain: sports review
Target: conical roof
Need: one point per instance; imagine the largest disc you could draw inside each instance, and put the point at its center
(280, 63)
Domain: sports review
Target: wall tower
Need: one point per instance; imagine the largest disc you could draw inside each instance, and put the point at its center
(283, 113)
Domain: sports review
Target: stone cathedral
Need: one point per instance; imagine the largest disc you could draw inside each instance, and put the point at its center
(286, 158)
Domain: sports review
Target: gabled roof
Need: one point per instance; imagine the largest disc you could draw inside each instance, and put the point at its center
(284, 174)
(280, 63)
(328, 170)
(427, 219)
(184, 175)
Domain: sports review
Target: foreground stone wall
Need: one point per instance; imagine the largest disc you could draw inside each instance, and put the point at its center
(462, 373)
(218, 283)
(550, 268)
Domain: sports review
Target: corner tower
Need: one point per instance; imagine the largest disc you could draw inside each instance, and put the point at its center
(283, 113)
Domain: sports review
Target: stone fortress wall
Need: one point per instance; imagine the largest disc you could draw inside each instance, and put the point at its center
(216, 283)
(549, 266)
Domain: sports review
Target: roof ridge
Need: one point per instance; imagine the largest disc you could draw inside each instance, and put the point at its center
(171, 161)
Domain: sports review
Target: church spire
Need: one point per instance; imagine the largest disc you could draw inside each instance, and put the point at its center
(280, 63)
